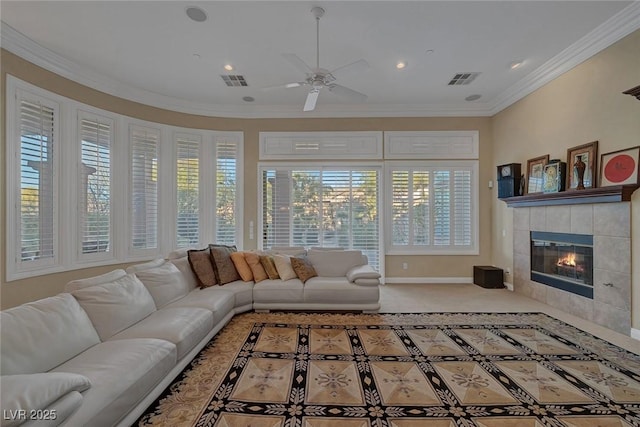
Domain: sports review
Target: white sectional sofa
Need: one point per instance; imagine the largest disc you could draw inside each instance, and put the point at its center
(102, 352)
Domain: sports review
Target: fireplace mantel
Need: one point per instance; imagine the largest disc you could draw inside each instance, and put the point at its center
(617, 193)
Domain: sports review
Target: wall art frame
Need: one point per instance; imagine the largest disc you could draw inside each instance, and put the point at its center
(588, 155)
(554, 177)
(535, 173)
(620, 167)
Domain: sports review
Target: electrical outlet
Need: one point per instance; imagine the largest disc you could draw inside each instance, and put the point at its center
(507, 271)
(405, 265)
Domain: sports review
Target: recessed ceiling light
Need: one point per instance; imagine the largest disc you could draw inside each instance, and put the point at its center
(402, 65)
(196, 14)
(228, 67)
(429, 52)
(515, 64)
(196, 55)
(473, 97)
(248, 98)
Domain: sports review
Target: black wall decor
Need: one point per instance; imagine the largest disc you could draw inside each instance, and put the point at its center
(509, 178)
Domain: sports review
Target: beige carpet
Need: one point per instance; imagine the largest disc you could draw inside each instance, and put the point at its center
(404, 370)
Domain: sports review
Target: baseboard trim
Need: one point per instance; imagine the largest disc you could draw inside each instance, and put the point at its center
(412, 280)
(635, 334)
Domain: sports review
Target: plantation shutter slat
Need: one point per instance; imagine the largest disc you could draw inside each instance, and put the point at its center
(144, 187)
(96, 136)
(188, 190)
(37, 188)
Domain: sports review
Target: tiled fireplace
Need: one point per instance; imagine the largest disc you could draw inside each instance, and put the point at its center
(596, 236)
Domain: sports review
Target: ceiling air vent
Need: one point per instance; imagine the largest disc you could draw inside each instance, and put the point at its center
(463, 79)
(233, 81)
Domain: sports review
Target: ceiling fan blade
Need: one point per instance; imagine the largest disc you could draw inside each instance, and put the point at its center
(347, 93)
(297, 62)
(284, 86)
(312, 98)
(358, 66)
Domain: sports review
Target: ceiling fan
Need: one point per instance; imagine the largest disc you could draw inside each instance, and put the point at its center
(320, 78)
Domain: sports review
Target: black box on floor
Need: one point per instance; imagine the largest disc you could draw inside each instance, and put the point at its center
(488, 276)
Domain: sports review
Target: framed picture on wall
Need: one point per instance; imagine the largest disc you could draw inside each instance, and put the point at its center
(620, 167)
(535, 173)
(581, 165)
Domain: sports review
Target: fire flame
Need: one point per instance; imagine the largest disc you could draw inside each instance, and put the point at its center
(569, 260)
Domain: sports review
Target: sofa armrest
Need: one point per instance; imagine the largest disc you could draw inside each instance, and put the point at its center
(24, 394)
(367, 282)
(362, 272)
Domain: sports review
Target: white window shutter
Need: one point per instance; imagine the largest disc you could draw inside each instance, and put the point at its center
(227, 152)
(96, 143)
(38, 182)
(144, 143)
(188, 189)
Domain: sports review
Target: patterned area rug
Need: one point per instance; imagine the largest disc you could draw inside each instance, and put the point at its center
(403, 370)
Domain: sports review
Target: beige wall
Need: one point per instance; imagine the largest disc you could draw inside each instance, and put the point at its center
(583, 105)
(17, 292)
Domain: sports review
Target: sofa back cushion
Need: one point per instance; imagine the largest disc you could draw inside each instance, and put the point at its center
(334, 263)
(40, 335)
(113, 307)
(183, 265)
(162, 279)
(95, 280)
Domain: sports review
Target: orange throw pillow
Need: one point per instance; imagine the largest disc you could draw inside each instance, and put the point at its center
(253, 259)
(241, 265)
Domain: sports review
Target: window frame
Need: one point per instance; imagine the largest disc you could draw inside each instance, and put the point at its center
(320, 166)
(432, 165)
(68, 256)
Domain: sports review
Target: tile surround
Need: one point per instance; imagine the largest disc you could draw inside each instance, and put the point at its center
(610, 224)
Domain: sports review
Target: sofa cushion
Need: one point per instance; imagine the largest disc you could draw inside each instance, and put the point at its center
(288, 250)
(95, 280)
(242, 292)
(253, 259)
(242, 267)
(200, 261)
(146, 265)
(223, 267)
(163, 280)
(362, 272)
(278, 291)
(122, 373)
(334, 263)
(338, 290)
(216, 299)
(183, 265)
(269, 267)
(41, 335)
(115, 306)
(185, 327)
(367, 282)
(284, 267)
(303, 268)
(37, 391)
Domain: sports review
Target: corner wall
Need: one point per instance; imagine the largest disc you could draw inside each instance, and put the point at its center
(583, 105)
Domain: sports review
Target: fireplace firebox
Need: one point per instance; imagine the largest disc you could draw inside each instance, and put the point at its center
(563, 261)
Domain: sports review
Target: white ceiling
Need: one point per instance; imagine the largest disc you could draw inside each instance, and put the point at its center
(151, 52)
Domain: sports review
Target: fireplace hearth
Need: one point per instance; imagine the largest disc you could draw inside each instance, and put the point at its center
(563, 261)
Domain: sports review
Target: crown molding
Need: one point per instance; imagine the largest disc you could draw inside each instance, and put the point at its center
(615, 28)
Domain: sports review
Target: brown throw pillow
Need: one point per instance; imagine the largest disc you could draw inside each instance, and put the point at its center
(269, 266)
(223, 267)
(303, 268)
(253, 259)
(241, 265)
(200, 262)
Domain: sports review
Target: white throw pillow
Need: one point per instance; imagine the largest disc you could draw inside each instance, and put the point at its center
(115, 306)
(37, 391)
(283, 265)
(95, 280)
(40, 335)
(165, 283)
